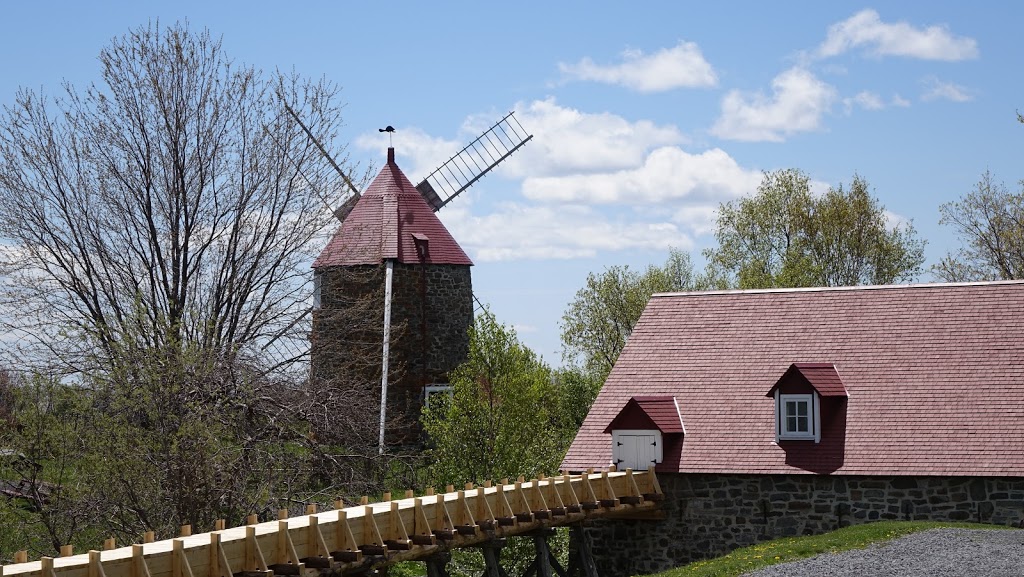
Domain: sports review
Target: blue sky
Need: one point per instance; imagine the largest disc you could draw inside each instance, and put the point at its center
(644, 117)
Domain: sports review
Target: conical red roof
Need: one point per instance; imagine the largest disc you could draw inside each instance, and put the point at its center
(388, 222)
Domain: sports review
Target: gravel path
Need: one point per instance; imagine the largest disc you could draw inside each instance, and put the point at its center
(935, 553)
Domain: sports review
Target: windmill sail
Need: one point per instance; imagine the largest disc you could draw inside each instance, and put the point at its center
(474, 161)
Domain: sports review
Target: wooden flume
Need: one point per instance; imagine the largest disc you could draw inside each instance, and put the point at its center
(368, 534)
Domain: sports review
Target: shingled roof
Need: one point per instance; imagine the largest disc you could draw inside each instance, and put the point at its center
(389, 220)
(935, 376)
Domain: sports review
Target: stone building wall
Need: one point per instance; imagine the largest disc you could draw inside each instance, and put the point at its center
(431, 312)
(435, 302)
(710, 515)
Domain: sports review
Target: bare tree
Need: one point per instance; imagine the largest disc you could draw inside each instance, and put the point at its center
(173, 204)
(990, 223)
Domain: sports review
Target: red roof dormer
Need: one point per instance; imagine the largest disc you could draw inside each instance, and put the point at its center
(659, 413)
(388, 222)
(822, 377)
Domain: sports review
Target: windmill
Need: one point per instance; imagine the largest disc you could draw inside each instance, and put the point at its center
(427, 280)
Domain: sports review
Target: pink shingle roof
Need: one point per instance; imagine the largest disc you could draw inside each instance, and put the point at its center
(385, 224)
(935, 375)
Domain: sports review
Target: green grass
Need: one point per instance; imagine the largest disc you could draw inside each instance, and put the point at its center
(788, 549)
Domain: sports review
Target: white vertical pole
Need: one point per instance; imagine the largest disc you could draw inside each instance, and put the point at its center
(390, 264)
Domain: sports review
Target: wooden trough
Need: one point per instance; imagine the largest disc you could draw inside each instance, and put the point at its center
(366, 535)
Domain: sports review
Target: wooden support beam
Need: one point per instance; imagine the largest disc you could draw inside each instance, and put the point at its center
(505, 515)
(179, 562)
(373, 543)
(397, 537)
(95, 565)
(347, 547)
(139, 567)
(423, 532)
(463, 518)
(46, 567)
(483, 515)
(109, 544)
(492, 558)
(254, 559)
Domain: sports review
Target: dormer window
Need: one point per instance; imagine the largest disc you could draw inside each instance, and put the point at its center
(799, 394)
(798, 416)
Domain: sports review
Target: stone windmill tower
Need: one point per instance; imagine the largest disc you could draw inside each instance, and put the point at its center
(392, 249)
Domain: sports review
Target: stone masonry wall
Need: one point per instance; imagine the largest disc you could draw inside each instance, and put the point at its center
(710, 515)
(436, 303)
(431, 312)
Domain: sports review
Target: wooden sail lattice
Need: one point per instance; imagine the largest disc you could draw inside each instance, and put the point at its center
(414, 527)
(474, 161)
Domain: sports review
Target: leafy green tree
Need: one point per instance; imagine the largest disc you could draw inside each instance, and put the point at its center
(509, 415)
(783, 236)
(989, 221)
(600, 318)
(502, 419)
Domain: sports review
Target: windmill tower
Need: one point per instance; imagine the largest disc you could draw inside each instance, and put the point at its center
(390, 237)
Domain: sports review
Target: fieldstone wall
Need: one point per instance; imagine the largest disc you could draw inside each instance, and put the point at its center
(431, 312)
(435, 302)
(710, 515)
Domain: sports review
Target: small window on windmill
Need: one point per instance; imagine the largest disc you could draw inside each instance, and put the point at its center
(422, 245)
(437, 389)
(317, 282)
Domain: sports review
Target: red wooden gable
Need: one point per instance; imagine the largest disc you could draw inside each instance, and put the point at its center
(650, 413)
(822, 377)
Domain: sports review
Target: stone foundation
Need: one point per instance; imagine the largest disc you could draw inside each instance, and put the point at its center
(710, 515)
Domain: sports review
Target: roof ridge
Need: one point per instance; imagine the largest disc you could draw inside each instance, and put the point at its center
(841, 288)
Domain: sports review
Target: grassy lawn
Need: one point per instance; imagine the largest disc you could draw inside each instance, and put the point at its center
(747, 559)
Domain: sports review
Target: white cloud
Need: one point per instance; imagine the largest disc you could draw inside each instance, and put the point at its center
(866, 29)
(539, 232)
(667, 174)
(864, 99)
(569, 141)
(798, 102)
(936, 89)
(682, 66)
(898, 100)
(587, 183)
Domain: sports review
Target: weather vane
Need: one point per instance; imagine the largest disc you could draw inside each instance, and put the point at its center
(391, 131)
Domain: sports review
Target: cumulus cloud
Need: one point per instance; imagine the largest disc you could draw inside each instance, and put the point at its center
(587, 183)
(682, 66)
(865, 29)
(569, 141)
(936, 89)
(541, 231)
(667, 174)
(799, 101)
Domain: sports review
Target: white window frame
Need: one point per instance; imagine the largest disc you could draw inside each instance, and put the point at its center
(813, 417)
(436, 389)
(659, 443)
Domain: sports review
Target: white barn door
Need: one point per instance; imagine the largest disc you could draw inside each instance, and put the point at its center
(636, 450)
